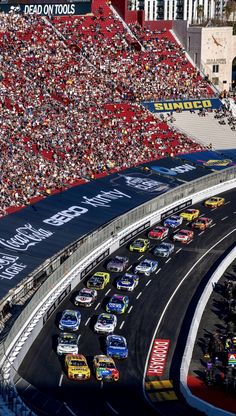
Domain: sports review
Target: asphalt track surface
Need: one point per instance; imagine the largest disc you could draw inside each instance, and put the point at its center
(42, 381)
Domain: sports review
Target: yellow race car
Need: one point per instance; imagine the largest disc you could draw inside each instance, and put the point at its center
(140, 244)
(77, 367)
(98, 280)
(190, 214)
(214, 202)
(105, 368)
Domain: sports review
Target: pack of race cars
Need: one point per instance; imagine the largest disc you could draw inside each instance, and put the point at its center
(104, 367)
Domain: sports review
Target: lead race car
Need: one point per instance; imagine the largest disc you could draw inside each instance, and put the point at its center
(214, 202)
(128, 282)
(146, 267)
(117, 264)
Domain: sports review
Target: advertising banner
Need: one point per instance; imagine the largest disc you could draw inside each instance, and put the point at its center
(232, 358)
(49, 9)
(176, 168)
(210, 160)
(38, 232)
(182, 105)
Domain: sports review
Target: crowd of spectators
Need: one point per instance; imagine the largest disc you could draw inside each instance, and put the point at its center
(70, 101)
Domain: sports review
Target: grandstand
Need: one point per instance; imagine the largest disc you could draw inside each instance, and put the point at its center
(71, 93)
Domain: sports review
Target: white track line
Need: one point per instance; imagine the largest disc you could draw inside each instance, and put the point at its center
(129, 267)
(148, 282)
(122, 324)
(112, 408)
(130, 309)
(170, 300)
(178, 250)
(71, 411)
(107, 292)
(60, 381)
(167, 261)
(140, 256)
(140, 293)
(97, 306)
(86, 323)
(158, 270)
(201, 232)
(213, 225)
(228, 202)
(222, 219)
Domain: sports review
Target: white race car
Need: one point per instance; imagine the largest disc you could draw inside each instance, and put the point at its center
(146, 267)
(67, 343)
(86, 297)
(106, 323)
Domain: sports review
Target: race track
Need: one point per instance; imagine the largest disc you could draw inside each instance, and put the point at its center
(42, 376)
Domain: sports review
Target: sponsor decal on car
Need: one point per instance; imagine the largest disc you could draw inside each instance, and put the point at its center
(158, 357)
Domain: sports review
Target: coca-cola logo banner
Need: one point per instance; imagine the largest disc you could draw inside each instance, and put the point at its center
(38, 232)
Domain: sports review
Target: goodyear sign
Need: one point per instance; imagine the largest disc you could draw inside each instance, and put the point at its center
(183, 105)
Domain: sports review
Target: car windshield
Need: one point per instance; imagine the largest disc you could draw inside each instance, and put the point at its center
(157, 229)
(183, 232)
(117, 342)
(106, 320)
(85, 294)
(103, 364)
(127, 279)
(145, 263)
(163, 246)
(118, 260)
(116, 300)
(77, 363)
(69, 317)
(138, 243)
(67, 340)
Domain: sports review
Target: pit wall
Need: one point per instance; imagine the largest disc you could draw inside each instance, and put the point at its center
(63, 280)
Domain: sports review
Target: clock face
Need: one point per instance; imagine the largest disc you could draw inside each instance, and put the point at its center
(217, 41)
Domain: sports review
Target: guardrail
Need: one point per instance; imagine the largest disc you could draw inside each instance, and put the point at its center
(189, 397)
(90, 252)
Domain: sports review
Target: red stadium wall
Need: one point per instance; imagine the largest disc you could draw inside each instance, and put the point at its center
(158, 24)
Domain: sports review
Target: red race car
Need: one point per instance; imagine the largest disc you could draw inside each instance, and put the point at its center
(202, 223)
(158, 232)
(183, 236)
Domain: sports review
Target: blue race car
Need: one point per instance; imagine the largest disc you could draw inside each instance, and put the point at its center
(174, 221)
(117, 304)
(164, 249)
(116, 346)
(127, 282)
(146, 267)
(70, 320)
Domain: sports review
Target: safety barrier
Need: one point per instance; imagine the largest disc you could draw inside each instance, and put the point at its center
(91, 251)
(190, 398)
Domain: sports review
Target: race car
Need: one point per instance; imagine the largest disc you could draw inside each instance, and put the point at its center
(117, 264)
(140, 244)
(184, 236)
(70, 320)
(98, 281)
(146, 267)
(127, 282)
(214, 202)
(67, 343)
(116, 346)
(158, 232)
(105, 368)
(202, 223)
(117, 304)
(86, 297)
(106, 323)
(174, 221)
(77, 367)
(190, 214)
(163, 249)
